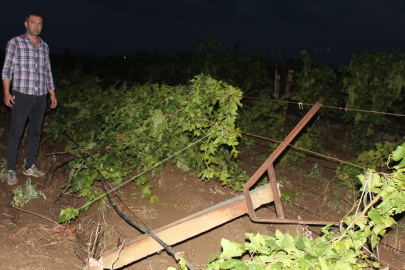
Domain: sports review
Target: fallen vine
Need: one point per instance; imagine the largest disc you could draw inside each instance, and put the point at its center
(154, 122)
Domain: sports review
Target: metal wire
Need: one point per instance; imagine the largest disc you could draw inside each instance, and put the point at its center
(168, 248)
(84, 118)
(157, 164)
(324, 106)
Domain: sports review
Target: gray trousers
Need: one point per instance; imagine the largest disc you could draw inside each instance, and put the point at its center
(26, 107)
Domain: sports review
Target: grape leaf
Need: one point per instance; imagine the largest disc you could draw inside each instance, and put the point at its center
(78, 181)
(231, 249)
(398, 153)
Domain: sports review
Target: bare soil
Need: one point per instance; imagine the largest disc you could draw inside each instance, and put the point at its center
(35, 240)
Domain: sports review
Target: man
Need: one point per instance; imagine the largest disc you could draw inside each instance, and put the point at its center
(27, 65)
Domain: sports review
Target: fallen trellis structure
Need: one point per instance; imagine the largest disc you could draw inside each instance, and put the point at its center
(216, 215)
(269, 167)
(184, 228)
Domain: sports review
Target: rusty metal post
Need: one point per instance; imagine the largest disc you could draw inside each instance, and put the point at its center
(282, 63)
(276, 192)
(188, 74)
(287, 92)
(276, 83)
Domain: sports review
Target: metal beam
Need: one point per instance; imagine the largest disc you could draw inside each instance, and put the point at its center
(186, 228)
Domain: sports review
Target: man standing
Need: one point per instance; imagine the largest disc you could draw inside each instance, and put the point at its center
(27, 65)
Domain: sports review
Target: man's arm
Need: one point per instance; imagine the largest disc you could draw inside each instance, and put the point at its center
(49, 80)
(54, 102)
(8, 99)
(7, 72)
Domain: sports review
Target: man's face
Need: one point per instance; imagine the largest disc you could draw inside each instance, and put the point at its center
(34, 25)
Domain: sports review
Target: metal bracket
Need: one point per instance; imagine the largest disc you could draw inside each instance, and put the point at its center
(268, 166)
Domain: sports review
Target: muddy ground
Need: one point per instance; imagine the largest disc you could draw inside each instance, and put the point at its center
(35, 240)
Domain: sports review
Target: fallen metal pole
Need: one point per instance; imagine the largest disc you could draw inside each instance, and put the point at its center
(168, 248)
(185, 228)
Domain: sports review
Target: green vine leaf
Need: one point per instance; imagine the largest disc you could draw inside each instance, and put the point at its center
(78, 181)
(146, 191)
(231, 249)
(399, 153)
(68, 214)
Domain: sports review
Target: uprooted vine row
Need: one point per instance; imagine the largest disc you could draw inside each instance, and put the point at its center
(150, 123)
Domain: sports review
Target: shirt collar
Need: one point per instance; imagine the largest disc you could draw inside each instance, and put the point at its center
(26, 37)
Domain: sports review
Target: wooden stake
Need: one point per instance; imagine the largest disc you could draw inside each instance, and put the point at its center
(287, 91)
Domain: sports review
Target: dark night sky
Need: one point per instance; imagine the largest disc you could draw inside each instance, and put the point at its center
(101, 27)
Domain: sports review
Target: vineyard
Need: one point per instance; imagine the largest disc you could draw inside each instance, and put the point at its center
(213, 118)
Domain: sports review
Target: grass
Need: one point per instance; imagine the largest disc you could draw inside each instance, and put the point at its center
(398, 228)
(3, 170)
(336, 202)
(316, 171)
(108, 233)
(145, 212)
(175, 205)
(160, 182)
(24, 194)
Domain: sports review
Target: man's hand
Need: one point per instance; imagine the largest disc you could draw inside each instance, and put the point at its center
(8, 100)
(54, 102)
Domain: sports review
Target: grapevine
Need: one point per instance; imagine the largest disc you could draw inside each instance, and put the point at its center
(151, 123)
(372, 82)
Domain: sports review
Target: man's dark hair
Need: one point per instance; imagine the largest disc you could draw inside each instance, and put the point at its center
(34, 13)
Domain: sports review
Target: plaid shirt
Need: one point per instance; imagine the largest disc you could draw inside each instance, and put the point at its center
(28, 67)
